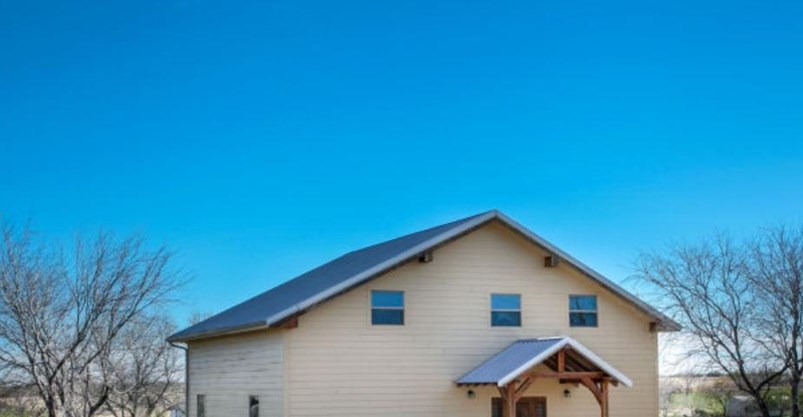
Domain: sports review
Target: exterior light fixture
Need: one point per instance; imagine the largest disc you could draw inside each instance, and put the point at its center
(567, 393)
(472, 394)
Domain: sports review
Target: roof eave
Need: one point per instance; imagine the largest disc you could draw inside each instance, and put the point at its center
(226, 331)
(668, 325)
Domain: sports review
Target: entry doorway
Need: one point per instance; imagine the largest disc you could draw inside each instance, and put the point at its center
(525, 407)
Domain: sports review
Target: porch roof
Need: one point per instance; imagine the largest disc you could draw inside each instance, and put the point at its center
(523, 355)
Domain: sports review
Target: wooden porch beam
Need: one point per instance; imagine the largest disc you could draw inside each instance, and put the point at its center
(600, 390)
(589, 383)
(523, 387)
(569, 375)
(574, 382)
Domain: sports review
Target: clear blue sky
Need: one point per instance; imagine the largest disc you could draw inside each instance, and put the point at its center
(262, 138)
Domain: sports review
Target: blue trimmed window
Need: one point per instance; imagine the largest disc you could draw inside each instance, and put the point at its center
(387, 307)
(505, 310)
(583, 311)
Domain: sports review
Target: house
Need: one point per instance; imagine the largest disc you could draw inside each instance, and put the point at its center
(471, 318)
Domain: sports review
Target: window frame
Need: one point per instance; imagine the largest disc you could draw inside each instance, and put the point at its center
(251, 399)
(200, 405)
(401, 308)
(595, 311)
(506, 310)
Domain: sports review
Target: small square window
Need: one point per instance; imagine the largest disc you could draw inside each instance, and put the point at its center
(200, 406)
(253, 406)
(583, 311)
(505, 310)
(387, 307)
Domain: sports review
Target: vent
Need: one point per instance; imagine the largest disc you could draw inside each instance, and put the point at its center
(551, 261)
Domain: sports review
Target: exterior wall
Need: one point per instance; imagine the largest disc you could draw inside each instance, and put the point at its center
(341, 365)
(228, 370)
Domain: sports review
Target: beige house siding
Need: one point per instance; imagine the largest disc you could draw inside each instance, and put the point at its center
(341, 365)
(227, 370)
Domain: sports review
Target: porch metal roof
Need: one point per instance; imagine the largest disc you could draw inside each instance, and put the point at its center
(526, 354)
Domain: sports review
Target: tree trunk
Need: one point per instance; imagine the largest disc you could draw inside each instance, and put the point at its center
(52, 411)
(765, 410)
(795, 382)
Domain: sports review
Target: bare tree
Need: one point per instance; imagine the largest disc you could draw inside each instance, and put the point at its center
(775, 269)
(63, 311)
(708, 289)
(144, 371)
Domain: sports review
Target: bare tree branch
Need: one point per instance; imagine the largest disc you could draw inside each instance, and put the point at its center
(709, 290)
(64, 317)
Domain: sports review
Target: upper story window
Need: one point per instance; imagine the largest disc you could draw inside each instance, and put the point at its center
(387, 307)
(505, 310)
(583, 311)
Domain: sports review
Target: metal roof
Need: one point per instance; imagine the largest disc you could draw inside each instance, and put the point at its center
(313, 287)
(526, 354)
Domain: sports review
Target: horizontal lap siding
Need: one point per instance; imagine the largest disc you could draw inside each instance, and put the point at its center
(340, 365)
(228, 370)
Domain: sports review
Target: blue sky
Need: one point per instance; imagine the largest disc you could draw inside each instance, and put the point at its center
(259, 139)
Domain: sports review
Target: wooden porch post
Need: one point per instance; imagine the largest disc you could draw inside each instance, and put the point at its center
(512, 393)
(603, 404)
(508, 399)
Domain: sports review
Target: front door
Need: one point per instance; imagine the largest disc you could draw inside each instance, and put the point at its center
(526, 407)
(531, 407)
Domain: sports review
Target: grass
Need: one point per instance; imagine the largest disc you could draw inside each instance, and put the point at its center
(695, 404)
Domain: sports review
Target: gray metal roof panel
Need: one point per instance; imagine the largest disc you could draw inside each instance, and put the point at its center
(268, 308)
(507, 361)
(356, 267)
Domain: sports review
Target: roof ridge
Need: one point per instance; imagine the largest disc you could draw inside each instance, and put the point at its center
(444, 225)
(541, 339)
